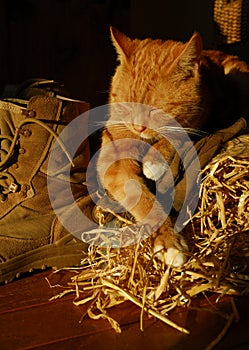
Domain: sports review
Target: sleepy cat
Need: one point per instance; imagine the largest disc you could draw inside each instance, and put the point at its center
(199, 89)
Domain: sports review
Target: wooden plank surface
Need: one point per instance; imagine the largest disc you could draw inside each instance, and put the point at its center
(28, 320)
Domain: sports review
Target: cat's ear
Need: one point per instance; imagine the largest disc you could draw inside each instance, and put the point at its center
(189, 59)
(122, 43)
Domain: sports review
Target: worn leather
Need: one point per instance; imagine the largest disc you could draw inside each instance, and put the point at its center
(27, 220)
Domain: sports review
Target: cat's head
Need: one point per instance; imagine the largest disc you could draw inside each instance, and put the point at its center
(163, 75)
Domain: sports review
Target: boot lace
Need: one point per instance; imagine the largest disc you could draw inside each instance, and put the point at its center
(8, 183)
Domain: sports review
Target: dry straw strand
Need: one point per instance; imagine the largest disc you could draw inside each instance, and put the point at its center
(218, 261)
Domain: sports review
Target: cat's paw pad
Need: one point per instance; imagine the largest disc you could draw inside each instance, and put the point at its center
(153, 171)
(172, 256)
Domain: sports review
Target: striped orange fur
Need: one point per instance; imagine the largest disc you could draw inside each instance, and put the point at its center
(200, 89)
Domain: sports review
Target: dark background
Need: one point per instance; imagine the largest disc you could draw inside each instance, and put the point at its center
(69, 40)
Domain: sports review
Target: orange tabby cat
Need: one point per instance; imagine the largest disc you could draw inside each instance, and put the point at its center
(199, 89)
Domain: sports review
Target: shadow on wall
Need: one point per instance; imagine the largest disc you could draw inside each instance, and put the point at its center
(64, 40)
(69, 40)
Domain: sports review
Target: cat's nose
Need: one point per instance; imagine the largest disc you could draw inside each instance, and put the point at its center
(139, 128)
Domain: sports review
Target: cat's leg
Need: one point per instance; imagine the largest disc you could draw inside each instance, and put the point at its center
(161, 164)
(155, 164)
(170, 247)
(124, 182)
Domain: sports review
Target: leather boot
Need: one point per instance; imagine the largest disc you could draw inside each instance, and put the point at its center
(31, 236)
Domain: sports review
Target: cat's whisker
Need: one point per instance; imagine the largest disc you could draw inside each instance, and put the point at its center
(103, 91)
(98, 123)
(196, 132)
(118, 124)
(166, 130)
(106, 122)
(115, 122)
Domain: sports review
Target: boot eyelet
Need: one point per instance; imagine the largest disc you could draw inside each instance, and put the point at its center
(13, 187)
(14, 166)
(24, 190)
(26, 132)
(29, 113)
(22, 151)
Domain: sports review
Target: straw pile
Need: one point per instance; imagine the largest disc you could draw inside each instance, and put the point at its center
(218, 260)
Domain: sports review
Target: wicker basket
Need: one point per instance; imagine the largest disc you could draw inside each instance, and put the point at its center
(232, 21)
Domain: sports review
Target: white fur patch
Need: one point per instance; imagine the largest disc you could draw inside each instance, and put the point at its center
(159, 252)
(174, 257)
(153, 171)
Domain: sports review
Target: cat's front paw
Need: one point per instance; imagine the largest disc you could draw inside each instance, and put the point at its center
(173, 254)
(154, 171)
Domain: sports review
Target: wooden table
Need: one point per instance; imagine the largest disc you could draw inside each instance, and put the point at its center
(28, 320)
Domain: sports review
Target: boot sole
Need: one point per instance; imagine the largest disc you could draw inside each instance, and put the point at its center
(66, 252)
